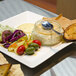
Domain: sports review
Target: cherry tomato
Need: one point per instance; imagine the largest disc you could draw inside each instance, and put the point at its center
(21, 50)
(37, 42)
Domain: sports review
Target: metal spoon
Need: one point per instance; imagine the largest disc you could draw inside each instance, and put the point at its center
(48, 26)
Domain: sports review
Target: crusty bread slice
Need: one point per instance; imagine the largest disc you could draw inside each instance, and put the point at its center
(4, 69)
(3, 60)
(68, 25)
(63, 21)
(15, 69)
(70, 32)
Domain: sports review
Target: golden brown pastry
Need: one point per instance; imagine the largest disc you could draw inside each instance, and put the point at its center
(63, 21)
(15, 69)
(70, 32)
(4, 69)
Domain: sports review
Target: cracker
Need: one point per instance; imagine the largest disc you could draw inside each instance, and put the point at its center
(3, 60)
(15, 70)
(59, 17)
(4, 69)
(73, 21)
(63, 21)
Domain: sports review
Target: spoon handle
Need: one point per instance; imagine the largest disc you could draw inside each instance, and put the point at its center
(57, 32)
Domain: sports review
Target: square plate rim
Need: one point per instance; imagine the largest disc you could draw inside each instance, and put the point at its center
(15, 58)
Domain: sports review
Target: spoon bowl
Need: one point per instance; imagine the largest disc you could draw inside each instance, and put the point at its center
(48, 26)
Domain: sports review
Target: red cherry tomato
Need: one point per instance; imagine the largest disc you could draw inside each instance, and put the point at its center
(37, 42)
(21, 50)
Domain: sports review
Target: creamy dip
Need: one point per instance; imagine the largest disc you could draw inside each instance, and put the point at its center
(47, 37)
(26, 27)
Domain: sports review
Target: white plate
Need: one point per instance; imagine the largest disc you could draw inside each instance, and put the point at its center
(40, 56)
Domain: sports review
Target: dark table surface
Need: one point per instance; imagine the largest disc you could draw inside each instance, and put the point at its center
(9, 8)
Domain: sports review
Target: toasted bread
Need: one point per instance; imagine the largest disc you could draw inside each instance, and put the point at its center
(70, 32)
(63, 21)
(68, 25)
(4, 69)
(15, 70)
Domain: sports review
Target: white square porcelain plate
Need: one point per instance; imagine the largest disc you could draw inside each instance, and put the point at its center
(40, 56)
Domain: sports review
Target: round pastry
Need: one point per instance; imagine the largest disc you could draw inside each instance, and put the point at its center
(47, 37)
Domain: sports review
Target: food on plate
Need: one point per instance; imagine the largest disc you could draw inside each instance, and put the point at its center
(66, 24)
(35, 45)
(28, 38)
(16, 35)
(5, 34)
(4, 69)
(37, 42)
(21, 46)
(47, 37)
(15, 45)
(30, 50)
(70, 32)
(13, 70)
(21, 50)
(8, 37)
(27, 27)
(16, 40)
(63, 21)
(3, 28)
